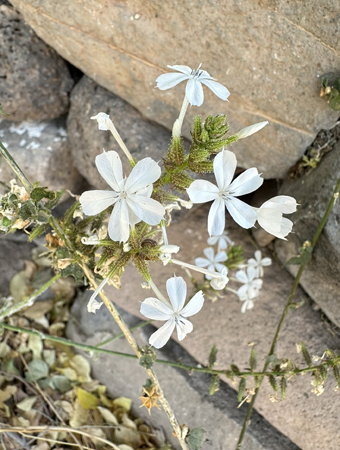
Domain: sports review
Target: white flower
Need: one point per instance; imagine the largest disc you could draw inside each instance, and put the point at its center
(258, 263)
(130, 196)
(91, 240)
(194, 89)
(174, 314)
(222, 241)
(103, 120)
(225, 195)
(220, 283)
(251, 284)
(167, 251)
(248, 131)
(270, 218)
(211, 261)
(93, 305)
(248, 304)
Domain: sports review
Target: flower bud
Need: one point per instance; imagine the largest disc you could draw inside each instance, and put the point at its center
(248, 131)
(168, 249)
(176, 129)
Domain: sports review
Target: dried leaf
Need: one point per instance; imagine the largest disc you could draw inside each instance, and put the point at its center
(6, 394)
(35, 344)
(38, 369)
(61, 383)
(82, 367)
(20, 422)
(69, 373)
(27, 403)
(123, 402)
(108, 416)
(86, 399)
(39, 309)
(18, 286)
(124, 435)
(49, 357)
(128, 422)
(79, 416)
(4, 349)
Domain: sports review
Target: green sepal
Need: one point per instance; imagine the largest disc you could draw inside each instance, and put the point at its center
(39, 193)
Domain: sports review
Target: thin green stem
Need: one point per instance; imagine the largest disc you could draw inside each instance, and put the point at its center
(28, 301)
(16, 169)
(120, 335)
(321, 226)
(96, 349)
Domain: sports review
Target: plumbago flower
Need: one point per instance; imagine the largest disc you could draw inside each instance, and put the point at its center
(174, 313)
(194, 90)
(258, 263)
(251, 284)
(269, 215)
(226, 192)
(212, 261)
(130, 196)
(222, 241)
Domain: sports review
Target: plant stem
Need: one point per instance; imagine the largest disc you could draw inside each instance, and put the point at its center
(97, 349)
(16, 169)
(321, 226)
(28, 301)
(120, 335)
(182, 113)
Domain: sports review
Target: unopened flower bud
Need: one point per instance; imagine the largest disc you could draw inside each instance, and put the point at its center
(248, 131)
(176, 129)
(168, 249)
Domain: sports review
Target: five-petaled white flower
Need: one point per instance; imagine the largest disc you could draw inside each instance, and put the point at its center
(222, 241)
(220, 283)
(130, 196)
(251, 284)
(270, 218)
(174, 313)
(258, 263)
(226, 192)
(212, 261)
(194, 89)
(247, 304)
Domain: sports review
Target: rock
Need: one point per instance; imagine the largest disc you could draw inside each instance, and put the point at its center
(188, 394)
(321, 277)
(142, 137)
(273, 72)
(310, 422)
(34, 79)
(42, 152)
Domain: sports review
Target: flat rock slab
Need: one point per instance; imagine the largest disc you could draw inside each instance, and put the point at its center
(34, 80)
(187, 394)
(310, 422)
(321, 278)
(270, 54)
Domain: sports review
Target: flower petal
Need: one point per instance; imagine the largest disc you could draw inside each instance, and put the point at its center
(147, 209)
(270, 219)
(216, 217)
(183, 327)
(283, 203)
(212, 240)
(221, 257)
(109, 166)
(169, 80)
(202, 262)
(224, 168)
(145, 172)
(194, 92)
(217, 88)
(286, 227)
(247, 182)
(242, 213)
(154, 309)
(161, 336)
(202, 191)
(118, 228)
(180, 68)
(209, 253)
(241, 276)
(219, 267)
(94, 202)
(194, 305)
(177, 291)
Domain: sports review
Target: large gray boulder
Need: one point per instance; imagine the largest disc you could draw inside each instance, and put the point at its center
(270, 54)
(42, 152)
(321, 277)
(142, 137)
(34, 80)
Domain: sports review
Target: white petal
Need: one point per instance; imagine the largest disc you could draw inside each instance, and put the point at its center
(270, 220)
(284, 203)
(202, 262)
(161, 336)
(266, 261)
(216, 217)
(180, 68)
(152, 308)
(251, 273)
(183, 327)
(118, 228)
(286, 227)
(248, 131)
(257, 283)
(219, 267)
(194, 305)
(224, 168)
(194, 92)
(102, 119)
(133, 219)
(169, 249)
(222, 243)
(209, 253)
(212, 240)
(221, 257)
(242, 291)
(94, 202)
(109, 166)
(242, 213)
(247, 182)
(241, 276)
(169, 80)
(147, 209)
(202, 191)
(258, 255)
(177, 291)
(145, 172)
(248, 304)
(217, 88)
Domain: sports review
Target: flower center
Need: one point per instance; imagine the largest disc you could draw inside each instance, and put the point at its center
(178, 319)
(122, 195)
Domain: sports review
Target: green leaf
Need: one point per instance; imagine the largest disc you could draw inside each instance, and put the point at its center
(235, 369)
(214, 384)
(38, 369)
(54, 202)
(39, 193)
(272, 382)
(28, 210)
(212, 357)
(61, 383)
(283, 385)
(304, 258)
(6, 222)
(305, 354)
(75, 271)
(196, 438)
(241, 389)
(253, 360)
